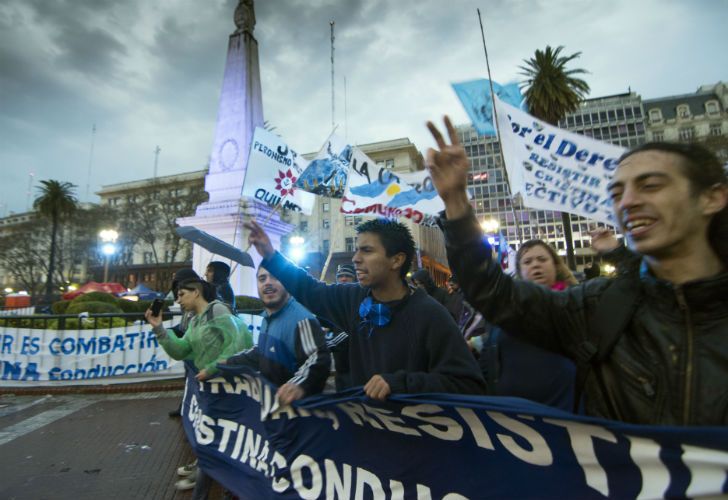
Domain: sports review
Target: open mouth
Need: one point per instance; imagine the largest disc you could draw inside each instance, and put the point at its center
(639, 227)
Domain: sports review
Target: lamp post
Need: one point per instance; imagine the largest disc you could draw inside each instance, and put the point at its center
(108, 239)
(490, 226)
(296, 250)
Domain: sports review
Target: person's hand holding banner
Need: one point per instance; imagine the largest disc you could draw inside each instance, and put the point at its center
(287, 393)
(259, 239)
(377, 388)
(449, 169)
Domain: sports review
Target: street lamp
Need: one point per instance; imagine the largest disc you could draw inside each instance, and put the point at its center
(296, 250)
(108, 237)
(490, 226)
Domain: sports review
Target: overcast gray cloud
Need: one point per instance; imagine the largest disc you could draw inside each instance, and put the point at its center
(149, 73)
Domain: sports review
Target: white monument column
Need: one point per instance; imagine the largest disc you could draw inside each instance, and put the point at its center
(240, 111)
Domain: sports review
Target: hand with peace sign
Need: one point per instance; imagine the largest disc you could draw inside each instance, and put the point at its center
(449, 169)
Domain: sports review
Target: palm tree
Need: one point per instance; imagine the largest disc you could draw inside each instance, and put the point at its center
(552, 91)
(56, 201)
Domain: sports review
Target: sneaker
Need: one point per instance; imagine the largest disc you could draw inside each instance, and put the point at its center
(175, 413)
(186, 483)
(187, 470)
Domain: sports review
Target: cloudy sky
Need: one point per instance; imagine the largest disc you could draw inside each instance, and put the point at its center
(149, 73)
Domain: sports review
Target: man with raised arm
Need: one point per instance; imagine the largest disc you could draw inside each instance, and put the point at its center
(401, 340)
(655, 339)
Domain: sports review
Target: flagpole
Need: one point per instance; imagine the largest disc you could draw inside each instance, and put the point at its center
(497, 128)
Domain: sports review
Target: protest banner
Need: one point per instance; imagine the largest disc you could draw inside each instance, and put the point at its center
(48, 357)
(476, 99)
(554, 169)
(327, 173)
(436, 446)
(273, 169)
(376, 190)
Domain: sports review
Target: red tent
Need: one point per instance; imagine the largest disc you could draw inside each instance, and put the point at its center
(92, 286)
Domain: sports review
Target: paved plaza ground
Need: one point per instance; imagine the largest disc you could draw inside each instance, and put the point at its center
(78, 446)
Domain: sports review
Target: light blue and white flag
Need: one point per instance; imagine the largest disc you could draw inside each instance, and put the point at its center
(555, 169)
(376, 190)
(326, 174)
(475, 97)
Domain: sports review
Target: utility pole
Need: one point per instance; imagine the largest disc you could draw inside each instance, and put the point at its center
(90, 162)
(31, 175)
(157, 150)
(332, 73)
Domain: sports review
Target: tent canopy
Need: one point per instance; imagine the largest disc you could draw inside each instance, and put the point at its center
(143, 292)
(93, 286)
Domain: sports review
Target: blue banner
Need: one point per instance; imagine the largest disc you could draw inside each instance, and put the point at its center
(436, 446)
(476, 99)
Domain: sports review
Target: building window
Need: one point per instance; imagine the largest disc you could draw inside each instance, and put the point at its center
(683, 111)
(303, 226)
(389, 163)
(687, 133)
(326, 247)
(325, 223)
(148, 257)
(349, 220)
(655, 115)
(349, 244)
(325, 206)
(711, 107)
(716, 129)
(658, 135)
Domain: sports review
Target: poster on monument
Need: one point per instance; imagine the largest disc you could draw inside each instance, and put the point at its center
(273, 169)
(554, 169)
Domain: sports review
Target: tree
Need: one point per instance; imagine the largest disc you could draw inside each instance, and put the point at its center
(551, 91)
(147, 220)
(57, 201)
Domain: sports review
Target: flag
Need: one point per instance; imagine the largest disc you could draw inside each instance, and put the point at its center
(376, 190)
(475, 97)
(554, 169)
(273, 169)
(327, 173)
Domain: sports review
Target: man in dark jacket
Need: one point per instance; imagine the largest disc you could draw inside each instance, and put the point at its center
(218, 274)
(668, 360)
(401, 341)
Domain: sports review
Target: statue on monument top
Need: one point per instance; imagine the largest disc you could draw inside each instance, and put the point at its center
(245, 17)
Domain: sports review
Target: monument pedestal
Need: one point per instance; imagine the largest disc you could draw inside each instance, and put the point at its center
(229, 228)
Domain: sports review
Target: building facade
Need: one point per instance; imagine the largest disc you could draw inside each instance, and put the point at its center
(148, 249)
(701, 116)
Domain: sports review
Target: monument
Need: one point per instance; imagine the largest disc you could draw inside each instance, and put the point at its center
(240, 110)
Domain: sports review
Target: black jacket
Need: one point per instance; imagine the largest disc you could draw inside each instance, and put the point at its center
(419, 350)
(670, 364)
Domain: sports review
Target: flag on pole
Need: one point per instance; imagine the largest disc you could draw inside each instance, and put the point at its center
(475, 98)
(273, 169)
(327, 173)
(376, 190)
(554, 169)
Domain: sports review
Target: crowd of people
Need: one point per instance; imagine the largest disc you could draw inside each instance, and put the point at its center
(649, 346)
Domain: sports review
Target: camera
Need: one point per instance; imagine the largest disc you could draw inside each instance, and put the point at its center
(157, 307)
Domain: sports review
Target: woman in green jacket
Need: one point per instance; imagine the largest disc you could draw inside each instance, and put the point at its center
(213, 334)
